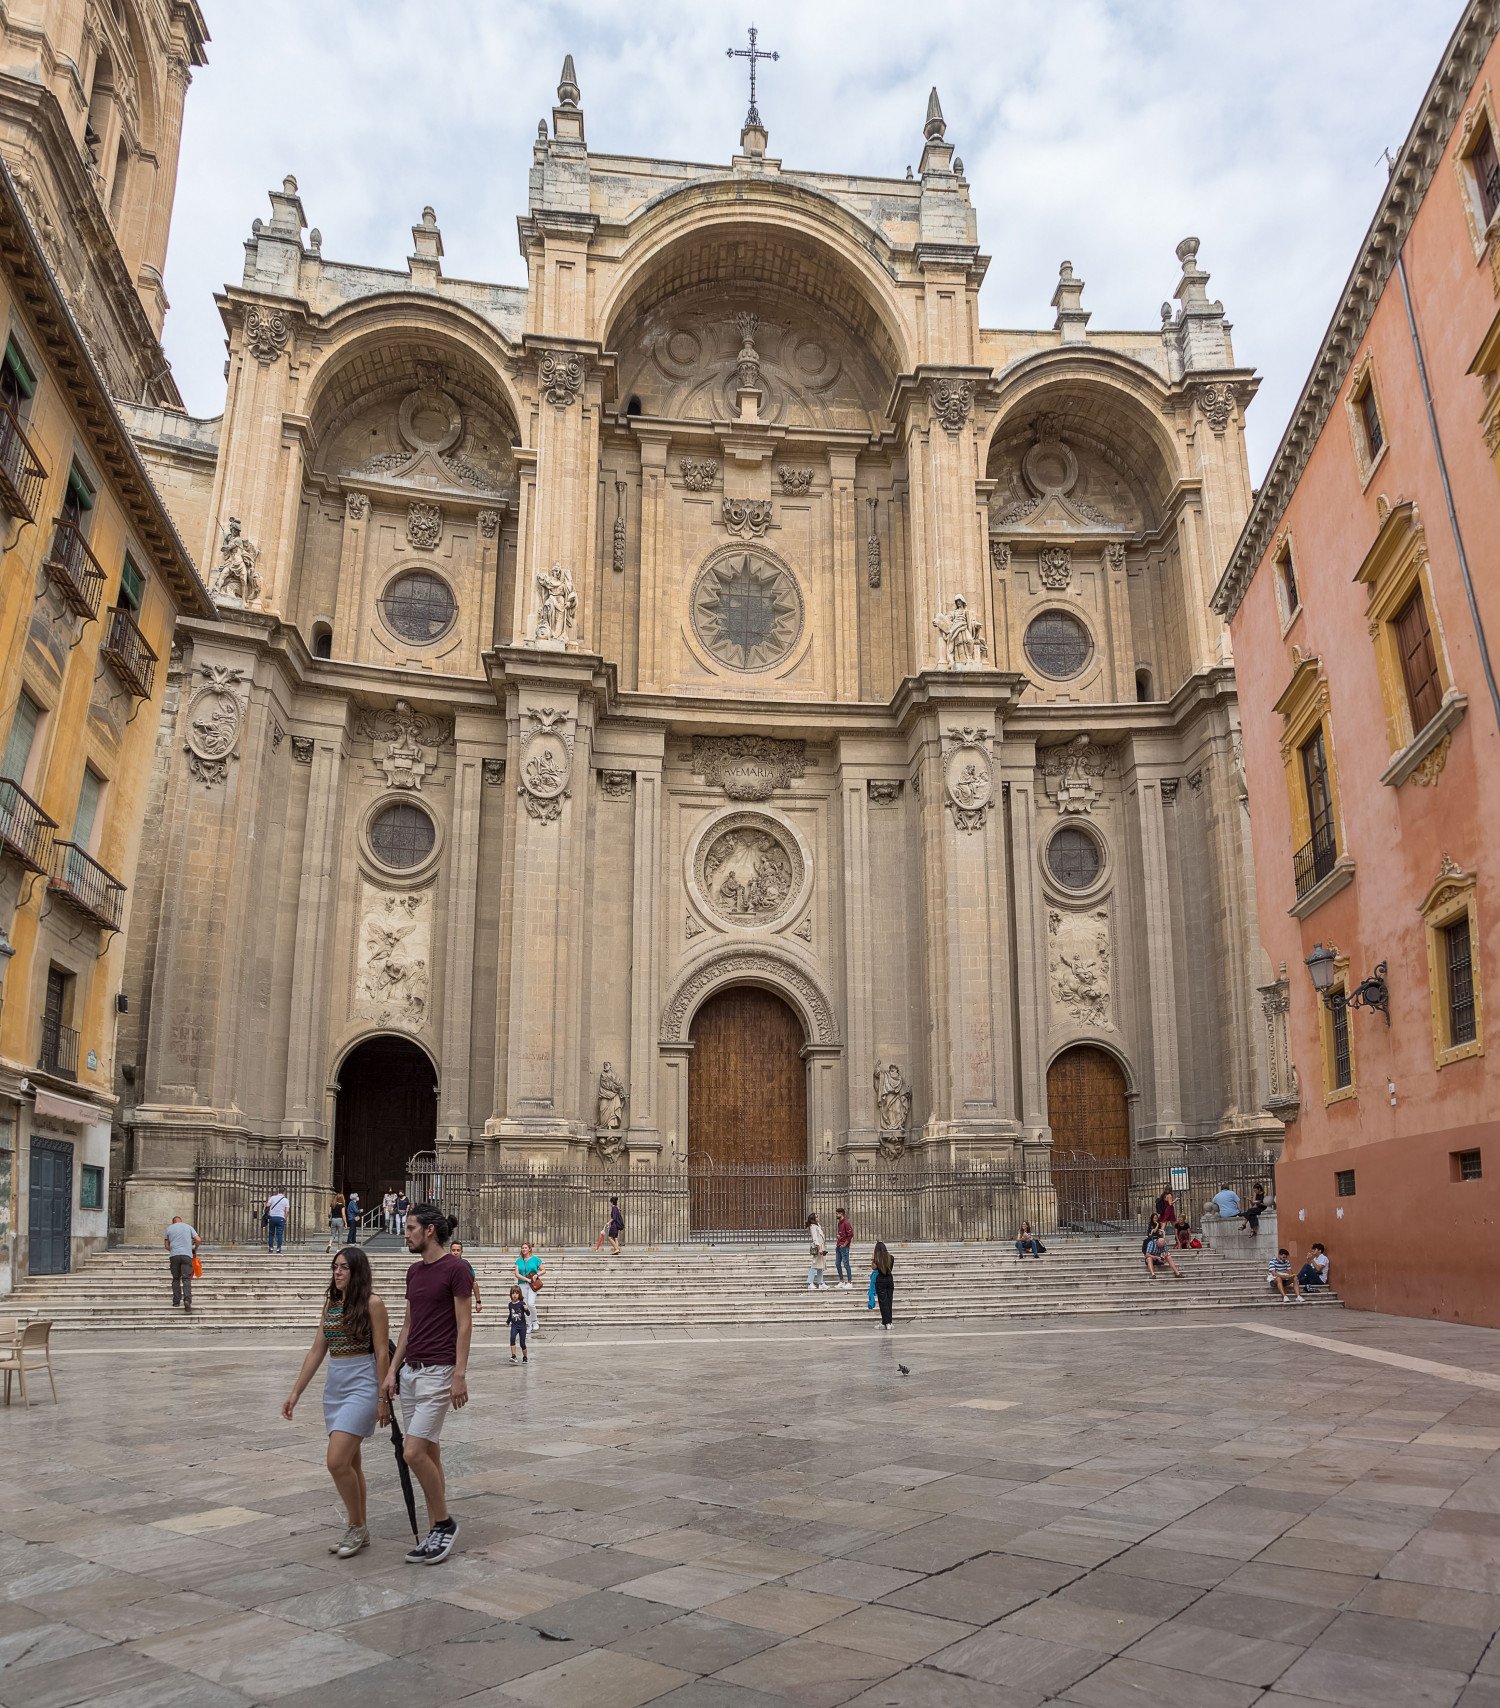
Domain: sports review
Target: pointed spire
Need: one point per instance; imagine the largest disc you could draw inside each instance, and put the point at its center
(937, 154)
(568, 92)
(936, 127)
(567, 115)
(1072, 317)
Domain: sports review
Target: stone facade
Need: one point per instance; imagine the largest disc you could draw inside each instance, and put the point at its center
(752, 600)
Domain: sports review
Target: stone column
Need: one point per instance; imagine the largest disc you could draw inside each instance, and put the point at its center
(847, 555)
(158, 222)
(349, 611)
(1154, 797)
(650, 618)
(317, 897)
(938, 407)
(1117, 604)
(1032, 997)
(645, 1134)
(471, 738)
(860, 1042)
(564, 513)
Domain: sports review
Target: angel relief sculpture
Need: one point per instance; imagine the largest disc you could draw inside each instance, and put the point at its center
(557, 607)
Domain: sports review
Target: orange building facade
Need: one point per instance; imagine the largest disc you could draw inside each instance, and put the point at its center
(1364, 604)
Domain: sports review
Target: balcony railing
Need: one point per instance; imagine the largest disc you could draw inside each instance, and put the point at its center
(1315, 859)
(21, 471)
(78, 878)
(59, 1052)
(75, 570)
(25, 830)
(127, 650)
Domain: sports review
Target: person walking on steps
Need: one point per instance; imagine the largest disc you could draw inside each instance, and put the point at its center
(352, 1213)
(277, 1206)
(430, 1368)
(882, 1282)
(529, 1273)
(817, 1248)
(182, 1243)
(336, 1224)
(613, 1228)
(843, 1241)
(515, 1316)
(354, 1333)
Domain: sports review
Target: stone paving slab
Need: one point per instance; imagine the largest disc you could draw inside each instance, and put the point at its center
(1086, 1516)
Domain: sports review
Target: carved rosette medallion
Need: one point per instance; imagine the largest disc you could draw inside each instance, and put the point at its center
(392, 980)
(424, 526)
(748, 767)
(546, 764)
(215, 715)
(747, 518)
(1055, 567)
(698, 476)
(952, 402)
(267, 332)
(748, 870)
(968, 780)
(561, 376)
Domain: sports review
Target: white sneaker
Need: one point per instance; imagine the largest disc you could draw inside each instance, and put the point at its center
(811, 1288)
(350, 1532)
(1285, 1300)
(353, 1543)
(1301, 1300)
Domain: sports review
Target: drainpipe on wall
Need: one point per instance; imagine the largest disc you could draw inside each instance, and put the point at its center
(1442, 463)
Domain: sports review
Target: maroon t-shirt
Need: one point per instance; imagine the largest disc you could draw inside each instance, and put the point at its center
(431, 1325)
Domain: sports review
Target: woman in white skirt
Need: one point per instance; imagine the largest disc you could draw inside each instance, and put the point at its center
(354, 1335)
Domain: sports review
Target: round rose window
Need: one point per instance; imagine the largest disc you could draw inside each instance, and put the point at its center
(402, 836)
(747, 610)
(1073, 859)
(1058, 644)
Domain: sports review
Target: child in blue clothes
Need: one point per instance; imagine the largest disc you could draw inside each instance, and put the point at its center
(516, 1315)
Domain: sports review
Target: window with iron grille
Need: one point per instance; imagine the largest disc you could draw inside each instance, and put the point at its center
(1465, 1165)
(1343, 1183)
(1486, 166)
(1459, 958)
(1073, 858)
(402, 836)
(1058, 644)
(1369, 416)
(419, 606)
(1338, 1022)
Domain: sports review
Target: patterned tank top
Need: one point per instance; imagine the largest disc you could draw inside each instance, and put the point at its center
(340, 1344)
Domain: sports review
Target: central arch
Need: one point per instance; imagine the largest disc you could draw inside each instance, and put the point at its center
(1089, 1113)
(386, 1110)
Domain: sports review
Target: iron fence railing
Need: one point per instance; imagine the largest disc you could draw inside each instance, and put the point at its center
(21, 471)
(128, 651)
(230, 1195)
(79, 878)
(25, 830)
(59, 1052)
(1315, 859)
(75, 571)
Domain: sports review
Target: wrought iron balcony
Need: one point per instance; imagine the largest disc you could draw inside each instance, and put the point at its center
(21, 471)
(1315, 859)
(79, 879)
(127, 650)
(75, 571)
(25, 830)
(59, 1052)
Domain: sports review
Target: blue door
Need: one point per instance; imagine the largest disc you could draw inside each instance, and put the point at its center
(51, 1207)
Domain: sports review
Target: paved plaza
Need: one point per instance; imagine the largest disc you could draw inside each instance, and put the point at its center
(1282, 1508)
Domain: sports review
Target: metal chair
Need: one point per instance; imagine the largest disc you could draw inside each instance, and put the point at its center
(34, 1338)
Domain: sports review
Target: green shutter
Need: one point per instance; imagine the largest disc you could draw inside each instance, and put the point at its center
(18, 369)
(131, 586)
(22, 733)
(88, 807)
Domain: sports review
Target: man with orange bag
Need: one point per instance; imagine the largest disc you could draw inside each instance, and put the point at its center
(182, 1244)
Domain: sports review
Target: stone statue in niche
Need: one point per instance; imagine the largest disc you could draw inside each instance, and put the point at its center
(235, 578)
(961, 639)
(1078, 954)
(612, 1099)
(893, 1108)
(557, 608)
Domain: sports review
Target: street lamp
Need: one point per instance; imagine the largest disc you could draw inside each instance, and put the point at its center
(1372, 992)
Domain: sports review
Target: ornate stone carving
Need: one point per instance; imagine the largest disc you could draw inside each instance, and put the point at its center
(1285, 1096)
(1055, 567)
(758, 965)
(556, 608)
(356, 506)
(1169, 787)
(610, 1114)
(796, 483)
(392, 975)
(748, 767)
(999, 554)
(968, 780)
(546, 764)
(952, 402)
(893, 1108)
(804, 930)
(748, 870)
(698, 476)
(872, 547)
(747, 518)
(236, 580)
(494, 772)
(617, 545)
(489, 523)
(884, 792)
(302, 749)
(1216, 400)
(278, 735)
(1431, 768)
(561, 376)
(961, 639)
(617, 785)
(1072, 774)
(1078, 956)
(402, 741)
(1114, 554)
(424, 525)
(694, 927)
(747, 362)
(266, 333)
(215, 715)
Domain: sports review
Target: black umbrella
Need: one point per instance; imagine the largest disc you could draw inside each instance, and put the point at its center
(403, 1470)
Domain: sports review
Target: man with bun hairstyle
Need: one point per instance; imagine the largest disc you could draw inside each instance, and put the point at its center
(429, 1370)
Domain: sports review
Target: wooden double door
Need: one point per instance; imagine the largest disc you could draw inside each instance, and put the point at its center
(747, 1113)
(1090, 1121)
(386, 1111)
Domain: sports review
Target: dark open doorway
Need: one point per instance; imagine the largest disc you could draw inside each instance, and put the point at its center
(386, 1110)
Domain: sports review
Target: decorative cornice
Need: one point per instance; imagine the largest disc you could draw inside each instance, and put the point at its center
(1410, 179)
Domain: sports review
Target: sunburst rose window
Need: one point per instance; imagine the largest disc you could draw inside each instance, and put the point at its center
(747, 611)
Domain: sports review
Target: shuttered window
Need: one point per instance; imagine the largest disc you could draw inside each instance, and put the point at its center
(1486, 172)
(23, 727)
(1419, 671)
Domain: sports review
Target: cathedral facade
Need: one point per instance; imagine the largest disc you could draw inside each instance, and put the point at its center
(717, 701)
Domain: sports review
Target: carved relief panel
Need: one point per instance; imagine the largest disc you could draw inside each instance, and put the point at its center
(1078, 966)
(393, 957)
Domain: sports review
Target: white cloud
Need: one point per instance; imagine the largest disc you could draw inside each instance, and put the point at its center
(1100, 132)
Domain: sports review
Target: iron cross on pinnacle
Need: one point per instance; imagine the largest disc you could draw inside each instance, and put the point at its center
(752, 53)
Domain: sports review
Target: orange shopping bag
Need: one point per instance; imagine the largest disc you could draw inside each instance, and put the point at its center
(197, 1267)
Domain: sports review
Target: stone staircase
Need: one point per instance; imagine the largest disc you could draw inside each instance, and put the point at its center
(671, 1287)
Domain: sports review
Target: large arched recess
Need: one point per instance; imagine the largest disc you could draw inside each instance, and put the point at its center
(385, 1111)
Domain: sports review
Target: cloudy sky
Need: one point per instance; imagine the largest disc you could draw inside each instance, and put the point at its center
(1102, 132)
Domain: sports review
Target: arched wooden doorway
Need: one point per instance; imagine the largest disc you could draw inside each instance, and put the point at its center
(747, 1110)
(386, 1110)
(1090, 1121)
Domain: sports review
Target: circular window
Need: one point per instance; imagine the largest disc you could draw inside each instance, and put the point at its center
(402, 836)
(1073, 859)
(747, 611)
(419, 606)
(1058, 644)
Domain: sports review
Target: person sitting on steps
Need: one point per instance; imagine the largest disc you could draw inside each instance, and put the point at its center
(1026, 1241)
(1280, 1276)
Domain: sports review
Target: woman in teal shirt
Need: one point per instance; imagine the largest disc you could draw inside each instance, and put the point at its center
(529, 1273)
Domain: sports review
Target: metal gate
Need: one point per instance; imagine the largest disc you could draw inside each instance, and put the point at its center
(230, 1193)
(49, 1227)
